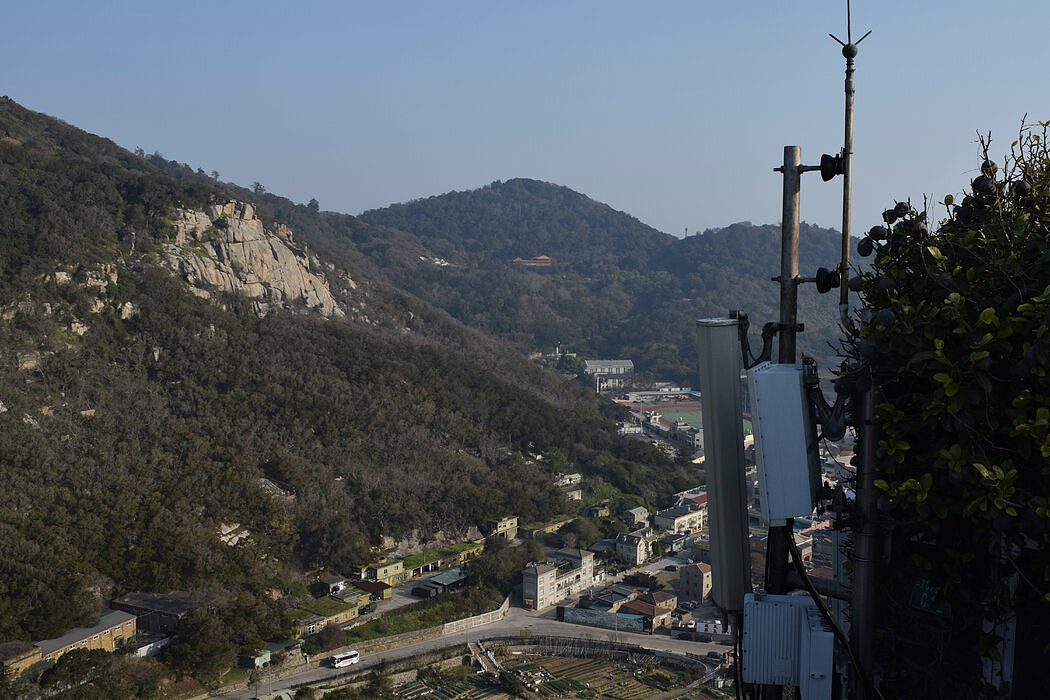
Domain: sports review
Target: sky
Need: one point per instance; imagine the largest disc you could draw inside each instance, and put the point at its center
(674, 112)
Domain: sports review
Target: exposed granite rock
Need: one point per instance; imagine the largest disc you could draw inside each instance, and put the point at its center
(227, 249)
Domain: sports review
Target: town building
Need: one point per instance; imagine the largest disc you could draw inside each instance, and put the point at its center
(537, 531)
(700, 550)
(376, 590)
(391, 571)
(694, 581)
(822, 541)
(504, 527)
(573, 479)
(114, 629)
(608, 374)
(331, 584)
(157, 613)
(447, 580)
(570, 485)
(598, 510)
(635, 516)
(17, 656)
(621, 368)
(674, 543)
(635, 547)
(655, 607)
(573, 492)
(314, 616)
(546, 583)
(610, 599)
(686, 518)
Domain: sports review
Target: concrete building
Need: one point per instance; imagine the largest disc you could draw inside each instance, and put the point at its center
(504, 527)
(635, 516)
(547, 583)
(695, 581)
(112, 631)
(313, 616)
(686, 518)
(598, 510)
(615, 368)
(610, 599)
(608, 374)
(157, 613)
(656, 607)
(635, 547)
(391, 571)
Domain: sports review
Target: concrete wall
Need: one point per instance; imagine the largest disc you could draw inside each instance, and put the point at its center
(397, 640)
(476, 621)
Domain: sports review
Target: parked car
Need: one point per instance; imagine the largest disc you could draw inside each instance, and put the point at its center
(670, 567)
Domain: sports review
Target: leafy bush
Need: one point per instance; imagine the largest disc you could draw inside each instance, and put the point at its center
(957, 338)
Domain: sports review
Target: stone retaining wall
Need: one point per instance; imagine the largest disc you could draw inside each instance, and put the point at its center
(476, 621)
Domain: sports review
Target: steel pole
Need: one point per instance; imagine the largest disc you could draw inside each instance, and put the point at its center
(789, 253)
(777, 543)
(866, 546)
(849, 51)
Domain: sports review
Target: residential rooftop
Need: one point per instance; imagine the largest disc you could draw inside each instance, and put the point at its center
(108, 619)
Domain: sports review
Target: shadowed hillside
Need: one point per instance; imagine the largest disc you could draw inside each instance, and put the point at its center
(140, 407)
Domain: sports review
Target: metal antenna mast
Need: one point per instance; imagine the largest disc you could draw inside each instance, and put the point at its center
(866, 549)
(849, 51)
(866, 538)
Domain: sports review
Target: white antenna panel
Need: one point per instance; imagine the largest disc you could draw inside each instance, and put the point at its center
(788, 477)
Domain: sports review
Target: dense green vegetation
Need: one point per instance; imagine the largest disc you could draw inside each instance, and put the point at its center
(957, 340)
(617, 289)
(137, 417)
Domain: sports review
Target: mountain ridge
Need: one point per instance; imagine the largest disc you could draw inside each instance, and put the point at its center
(615, 288)
(138, 417)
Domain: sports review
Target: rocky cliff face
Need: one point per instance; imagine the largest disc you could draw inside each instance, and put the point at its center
(228, 249)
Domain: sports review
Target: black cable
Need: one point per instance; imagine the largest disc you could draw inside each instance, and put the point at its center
(796, 558)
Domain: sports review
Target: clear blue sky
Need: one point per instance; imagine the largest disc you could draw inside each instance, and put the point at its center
(675, 112)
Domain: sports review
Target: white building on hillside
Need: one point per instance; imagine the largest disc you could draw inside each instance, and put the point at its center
(547, 583)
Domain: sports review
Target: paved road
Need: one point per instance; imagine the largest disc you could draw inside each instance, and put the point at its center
(517, 621)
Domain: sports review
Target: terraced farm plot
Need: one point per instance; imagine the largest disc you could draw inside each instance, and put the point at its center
(558, 677)
(640, 677)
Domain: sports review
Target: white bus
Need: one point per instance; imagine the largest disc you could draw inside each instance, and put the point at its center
(345, 659)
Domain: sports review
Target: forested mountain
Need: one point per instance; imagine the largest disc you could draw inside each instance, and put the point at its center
(141, 406)
(617, 288)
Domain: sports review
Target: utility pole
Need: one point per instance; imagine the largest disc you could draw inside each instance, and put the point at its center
(866, 546)
(777, 543)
